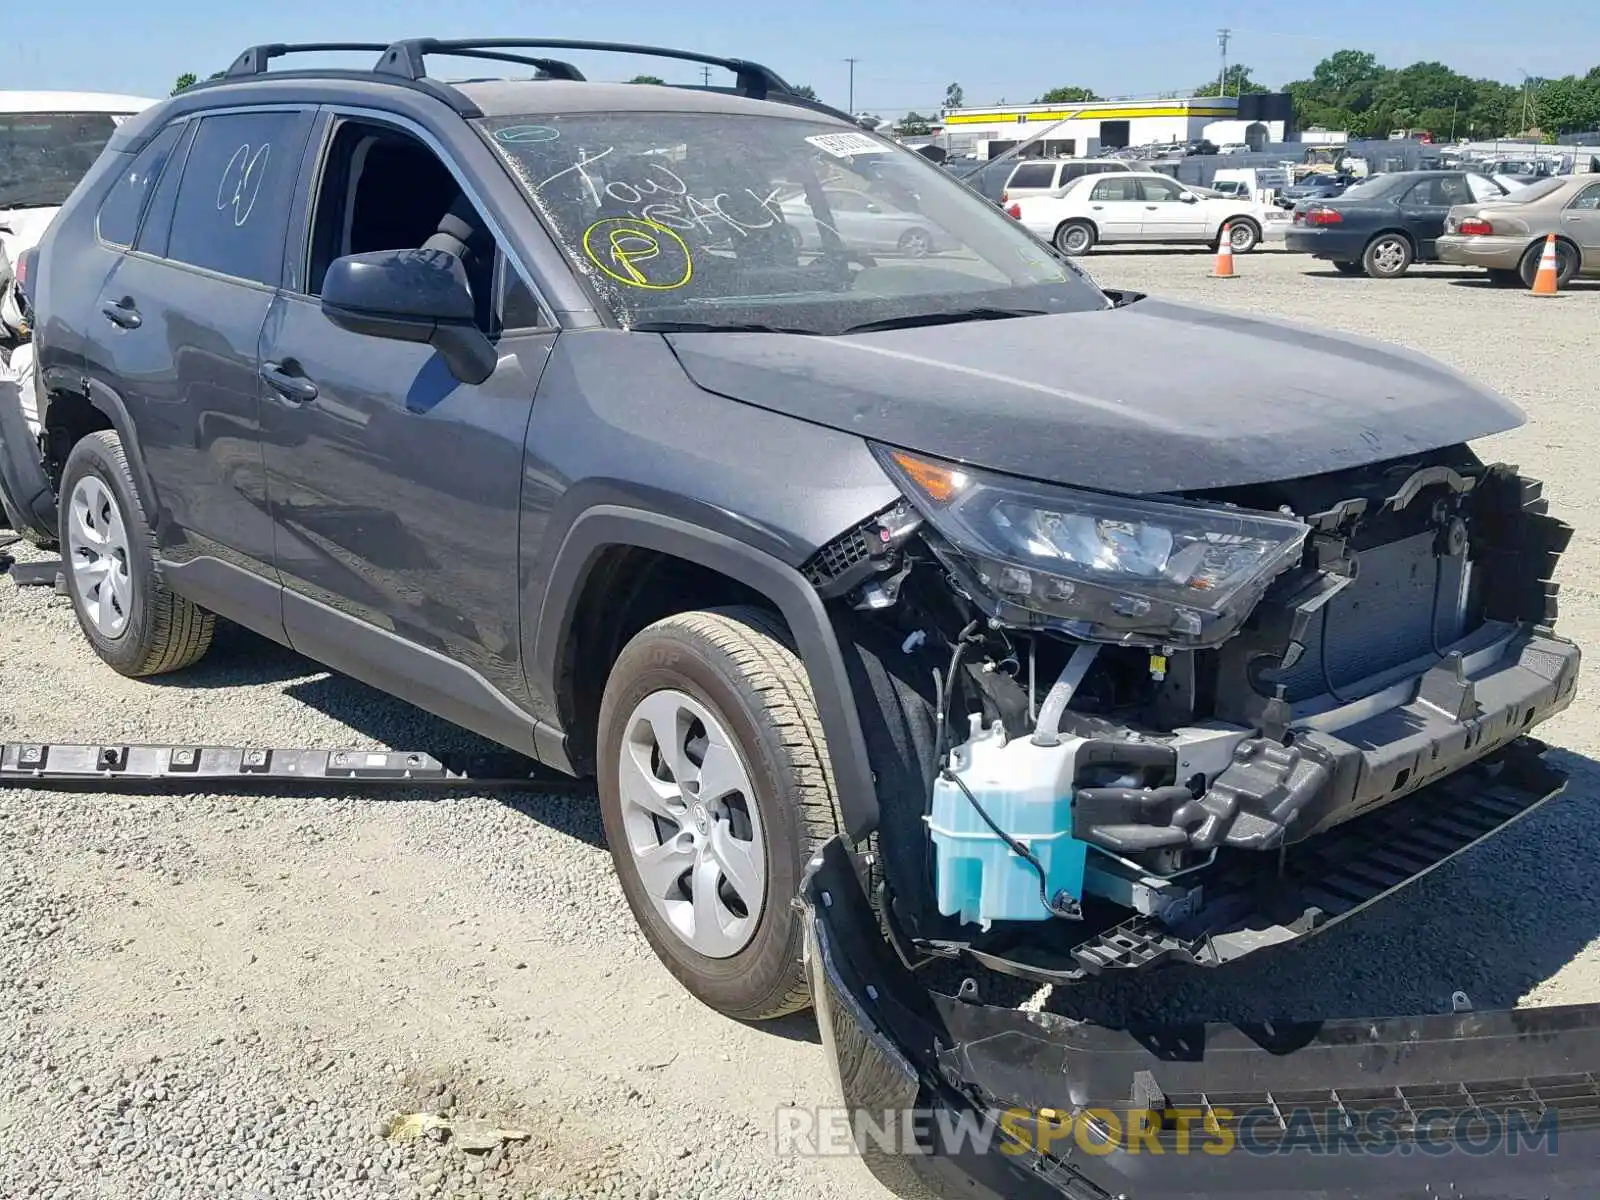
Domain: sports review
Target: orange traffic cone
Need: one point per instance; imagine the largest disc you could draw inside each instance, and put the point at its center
(1224, 265)
(1545, 282)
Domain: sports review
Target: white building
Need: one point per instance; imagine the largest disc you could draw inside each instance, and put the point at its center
(1086, 129)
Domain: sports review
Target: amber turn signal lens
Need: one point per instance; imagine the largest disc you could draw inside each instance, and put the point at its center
(938, 481)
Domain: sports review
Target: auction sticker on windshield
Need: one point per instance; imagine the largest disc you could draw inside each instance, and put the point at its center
(846, 145)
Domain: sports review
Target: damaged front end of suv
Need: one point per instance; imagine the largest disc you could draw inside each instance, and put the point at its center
(1112, 734)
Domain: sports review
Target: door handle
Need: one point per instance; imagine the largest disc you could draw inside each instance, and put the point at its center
(291, 387)
(121, 313)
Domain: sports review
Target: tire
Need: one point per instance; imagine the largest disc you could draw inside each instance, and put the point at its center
(1388, 256)
(1075, 238)
(1566, 263)
(140, 627)
(727, 674)
(916, 243)
(1348, 268)
(1244, 234)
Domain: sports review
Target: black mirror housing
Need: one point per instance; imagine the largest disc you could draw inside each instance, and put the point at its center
(418, 295)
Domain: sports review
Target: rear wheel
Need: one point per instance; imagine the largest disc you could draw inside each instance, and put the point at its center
(916, 243)
(1388, 256)
(715, 791)
(1566, 263)
(1348, 268)
(1075, 238)
(135, 623)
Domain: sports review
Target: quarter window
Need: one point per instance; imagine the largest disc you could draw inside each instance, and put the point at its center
(233, 204)
(1033, 175)
(120, 213)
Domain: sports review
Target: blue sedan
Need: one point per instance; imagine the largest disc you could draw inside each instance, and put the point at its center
(1382, 225)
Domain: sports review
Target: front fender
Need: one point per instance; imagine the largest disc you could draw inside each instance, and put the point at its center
(609, 525)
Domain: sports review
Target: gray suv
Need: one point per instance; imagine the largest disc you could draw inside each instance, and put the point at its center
(897, 619)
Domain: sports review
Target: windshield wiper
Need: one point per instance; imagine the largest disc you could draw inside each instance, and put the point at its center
(944, 318)
(711, 327)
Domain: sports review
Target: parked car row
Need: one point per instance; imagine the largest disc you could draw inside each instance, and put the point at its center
(1383, 225)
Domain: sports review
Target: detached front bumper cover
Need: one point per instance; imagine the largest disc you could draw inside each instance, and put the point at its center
(950, 1097)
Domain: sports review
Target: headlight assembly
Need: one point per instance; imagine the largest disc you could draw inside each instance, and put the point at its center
(1100, 567)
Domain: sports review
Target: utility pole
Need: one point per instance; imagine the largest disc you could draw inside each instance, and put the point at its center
(705, 76)
(1222, 76)
(851, 106)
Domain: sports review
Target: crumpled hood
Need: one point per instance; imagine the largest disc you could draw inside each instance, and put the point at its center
(1151, 397)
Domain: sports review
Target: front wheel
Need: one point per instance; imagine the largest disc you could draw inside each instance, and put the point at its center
(715, 791)
(136, 624)
(1388, 256)
(1243, 236)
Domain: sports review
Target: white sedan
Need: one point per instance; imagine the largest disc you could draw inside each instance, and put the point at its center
(1140, 206)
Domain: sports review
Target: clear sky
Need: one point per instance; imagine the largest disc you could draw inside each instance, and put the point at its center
(908, 49)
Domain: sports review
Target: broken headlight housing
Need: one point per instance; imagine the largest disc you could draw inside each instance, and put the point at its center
(1101, 568)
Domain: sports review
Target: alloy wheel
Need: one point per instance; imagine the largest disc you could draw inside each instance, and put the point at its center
(692, 824)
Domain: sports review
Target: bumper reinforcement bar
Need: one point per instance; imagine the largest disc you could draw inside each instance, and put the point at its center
(50, 763)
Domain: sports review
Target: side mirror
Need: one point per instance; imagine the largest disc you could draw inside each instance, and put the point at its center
(411, 296)
(1189, 198)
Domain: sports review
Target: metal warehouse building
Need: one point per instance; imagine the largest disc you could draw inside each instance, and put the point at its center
(1086, 129)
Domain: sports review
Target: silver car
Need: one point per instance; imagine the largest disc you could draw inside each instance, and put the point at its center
(863, 222)
(1507, 236)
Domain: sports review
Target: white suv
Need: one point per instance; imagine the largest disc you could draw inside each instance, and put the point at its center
(1039, 176)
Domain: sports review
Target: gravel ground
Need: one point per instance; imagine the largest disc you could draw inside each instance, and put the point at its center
(215, 995)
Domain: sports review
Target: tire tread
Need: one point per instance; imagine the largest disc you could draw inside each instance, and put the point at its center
(758, 644)
(180, 631)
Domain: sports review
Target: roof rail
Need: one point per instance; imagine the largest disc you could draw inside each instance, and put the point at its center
(254, 60)
(405, 58)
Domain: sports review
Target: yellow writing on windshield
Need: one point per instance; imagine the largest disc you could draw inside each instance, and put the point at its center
(639, 253)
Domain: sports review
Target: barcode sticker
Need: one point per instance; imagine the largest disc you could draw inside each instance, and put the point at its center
(845, 145)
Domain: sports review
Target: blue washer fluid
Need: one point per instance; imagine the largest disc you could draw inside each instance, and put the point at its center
(1027, 790)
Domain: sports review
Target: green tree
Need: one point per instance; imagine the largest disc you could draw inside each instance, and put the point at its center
(185, 81)
(806, 92)
(1066, 95)
(1237, 82)
(954, 97)
(1568, 105)
(656, 79)
(913, 124)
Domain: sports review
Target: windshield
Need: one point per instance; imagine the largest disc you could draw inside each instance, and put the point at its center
(717, 220)
(44, 154)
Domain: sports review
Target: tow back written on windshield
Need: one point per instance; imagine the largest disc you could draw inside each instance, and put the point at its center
(658, 195)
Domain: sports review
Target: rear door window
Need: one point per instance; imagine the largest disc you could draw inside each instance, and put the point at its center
(232, 212)
(1114, 187)
(1588, 199)
(124, 205)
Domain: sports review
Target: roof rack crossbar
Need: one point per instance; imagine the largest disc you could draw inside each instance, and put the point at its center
(255, 59)
(553, 68)
(404, 58)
